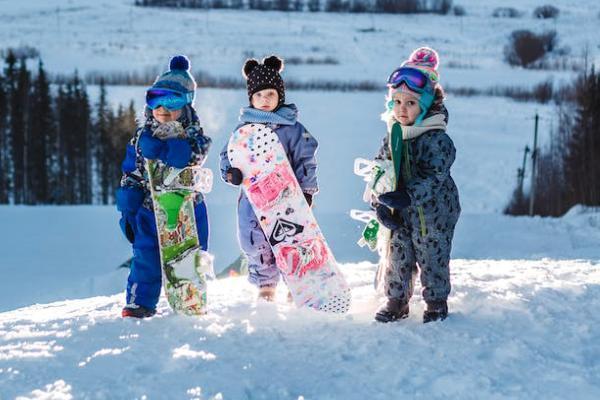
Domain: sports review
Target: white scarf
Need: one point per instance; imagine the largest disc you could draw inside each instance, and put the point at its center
(436, 122)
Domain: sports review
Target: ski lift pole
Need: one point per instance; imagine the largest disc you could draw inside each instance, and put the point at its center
(534, 154)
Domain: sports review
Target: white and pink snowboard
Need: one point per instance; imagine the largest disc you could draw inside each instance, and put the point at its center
(301, 252)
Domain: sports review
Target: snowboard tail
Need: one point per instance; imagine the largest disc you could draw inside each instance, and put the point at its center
(181, 255)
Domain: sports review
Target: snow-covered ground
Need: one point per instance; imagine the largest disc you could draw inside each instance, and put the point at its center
(517, 329)
(524, 320)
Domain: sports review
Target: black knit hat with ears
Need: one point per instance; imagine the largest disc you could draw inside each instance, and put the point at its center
(264, 76)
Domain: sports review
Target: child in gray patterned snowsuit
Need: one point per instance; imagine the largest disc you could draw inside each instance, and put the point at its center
(423, 210)
(266, 93)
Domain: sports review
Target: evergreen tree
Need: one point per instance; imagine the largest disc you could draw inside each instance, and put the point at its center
(102, 151)
(4, 154)
(18, 126)
(41, 125)
(10, 74)
(582, 168)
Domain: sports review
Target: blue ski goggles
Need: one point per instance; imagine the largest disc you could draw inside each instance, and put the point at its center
(169, 99)
(414, 78)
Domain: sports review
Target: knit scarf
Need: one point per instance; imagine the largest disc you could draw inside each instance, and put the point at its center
(285, 115)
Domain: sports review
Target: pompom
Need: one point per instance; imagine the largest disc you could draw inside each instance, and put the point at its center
(424, 56)
(249, 65)
(274, 62)
(180, 63)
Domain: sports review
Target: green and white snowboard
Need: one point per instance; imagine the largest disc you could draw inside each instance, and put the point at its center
(380, 178)
(185, 265)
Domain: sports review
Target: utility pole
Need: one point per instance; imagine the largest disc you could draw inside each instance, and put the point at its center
(534, 154)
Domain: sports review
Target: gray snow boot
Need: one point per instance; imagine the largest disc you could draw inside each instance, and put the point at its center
(436, 310)
(392, 311)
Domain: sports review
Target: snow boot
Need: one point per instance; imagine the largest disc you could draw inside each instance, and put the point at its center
(267, 293)
(436, 310)
(135, 311)
(392, 311)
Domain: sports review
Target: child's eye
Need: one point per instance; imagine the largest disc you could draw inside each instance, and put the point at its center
(397, 102)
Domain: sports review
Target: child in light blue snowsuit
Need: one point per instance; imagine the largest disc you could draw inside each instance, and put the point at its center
(169, 99)
(266, 93)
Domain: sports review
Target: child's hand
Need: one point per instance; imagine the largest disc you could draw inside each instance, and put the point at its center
(129, 201)
(150, 146)
(234, 176)
(386, 218)
(309, 199)
(397, 200)
(176, 153)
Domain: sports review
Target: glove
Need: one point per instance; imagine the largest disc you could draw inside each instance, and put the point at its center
(398, 200)
(176, 153)
(150, 146)
(309, 198)
(129, 201)
(234, 176)
(386, 218)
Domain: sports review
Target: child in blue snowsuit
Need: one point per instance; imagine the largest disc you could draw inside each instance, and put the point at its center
(266, 93)
(169, 99)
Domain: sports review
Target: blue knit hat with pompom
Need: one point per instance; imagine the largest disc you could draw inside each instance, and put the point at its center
(178, 78)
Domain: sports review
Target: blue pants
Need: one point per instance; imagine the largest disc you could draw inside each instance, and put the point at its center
(145, 276)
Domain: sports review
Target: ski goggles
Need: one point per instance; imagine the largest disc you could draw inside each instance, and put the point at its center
(169, 99)
(415, 79)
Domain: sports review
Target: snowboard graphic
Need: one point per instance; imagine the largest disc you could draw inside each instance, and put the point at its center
(185, 265)
(380, 178)
(301, 252)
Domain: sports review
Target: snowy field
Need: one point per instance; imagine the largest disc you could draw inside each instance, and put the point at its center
(526, 329)
(114, 35)
(524, 319)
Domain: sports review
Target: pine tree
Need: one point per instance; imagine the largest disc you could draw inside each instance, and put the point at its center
(4, 155)
(102, 151)
(582, 169)
(18, 127)
(10, 74)
(40, 126)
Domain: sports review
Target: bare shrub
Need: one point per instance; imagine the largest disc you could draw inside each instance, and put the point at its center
(506, 12)
(459, 11)
(525, 47)
(546, 11)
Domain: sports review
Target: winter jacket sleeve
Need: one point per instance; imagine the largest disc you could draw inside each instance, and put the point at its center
(437, 154)
(133, 164)
(384, 150)
(200, 144)
(302, 149)
(224, 163)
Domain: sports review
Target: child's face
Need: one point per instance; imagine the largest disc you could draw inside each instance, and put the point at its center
(266, 99)
(406, 108)
(163, 115)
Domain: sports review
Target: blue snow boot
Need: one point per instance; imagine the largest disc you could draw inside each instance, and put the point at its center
(393, 310)
(135, 311)
(436, 310)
